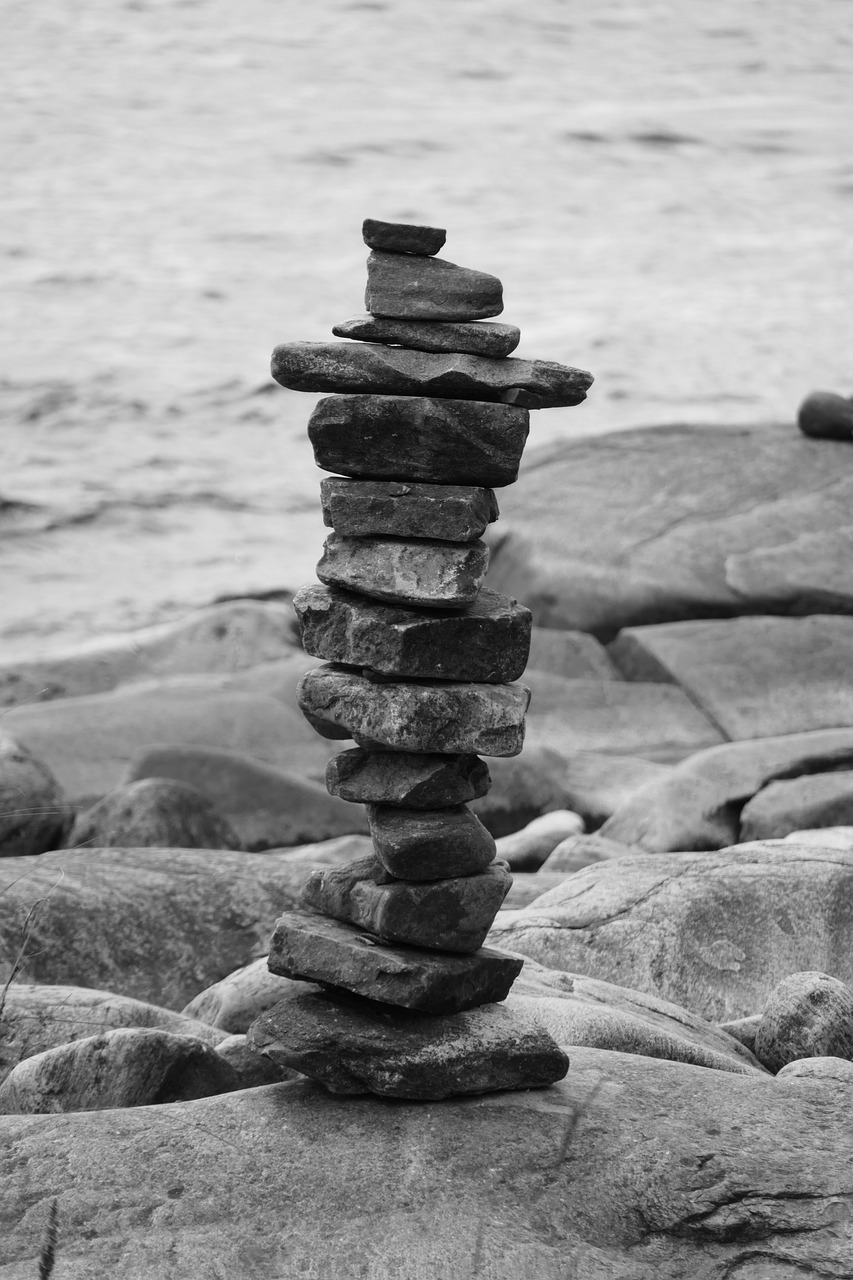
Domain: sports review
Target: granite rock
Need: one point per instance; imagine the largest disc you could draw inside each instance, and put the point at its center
(410, 288)
(253, 1069)
(34, 812)
(579, 851)
(232, 1004)
(799, 804)
(154, 812)
(402, 237)
(476, 338)
(808, 1015)
(406, 780)
(832, 1070)
(744, 1030)
(393, 508)
(528, 848)
(826, 416)
(437, 575)
(418, 844)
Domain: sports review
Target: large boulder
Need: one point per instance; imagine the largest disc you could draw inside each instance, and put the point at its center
(596, 784)
(234, 1002)
(34, 813)
(527, 849)
(809, 1015)
(807, 803)
(156, 812)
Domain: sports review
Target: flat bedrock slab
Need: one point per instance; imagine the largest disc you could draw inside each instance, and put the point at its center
(357, 368)
(476, 338)
(406, 780)
(416, 844)
(419, 438)
(806, 803)
(488, 642)
(452, 719)
(402, 237)
(808, 1015)
(443, 512)
(317, 949)
(826, 416)
(353, 1046)
(411, 288)
(436, 575)
(444, 915)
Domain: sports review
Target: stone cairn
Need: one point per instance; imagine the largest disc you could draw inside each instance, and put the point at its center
(426, 418)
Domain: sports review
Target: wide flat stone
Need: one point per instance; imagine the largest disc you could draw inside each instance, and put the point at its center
(476, 338)
(317, 949)
(353, 1046)
(417, 844)
(799, 804)
(437, 575)
(444, 512)
(419, 288)
(354, 368)
(447, 718)
(445, 915)
(408, 781)
(402, 237)
(488, 642)
(419, 438)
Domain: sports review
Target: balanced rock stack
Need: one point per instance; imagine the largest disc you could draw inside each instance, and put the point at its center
(428, 416)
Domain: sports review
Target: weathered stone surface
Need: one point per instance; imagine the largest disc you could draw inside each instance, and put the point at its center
(34, 812)
(412, 288)
(418, 438)
(154, 812)
(488, 642)
(128, 1067)
(402, 237)
(351, 368)
(572, 654)
(826, 416)
(351, 1046)
(233, 1003)
(814, 567)
(527, 886)
(596, 785)
(812, 801)
(317, 949)
(419, 844)
(437, 575)
(405, 780)
(808, 1015)
(393, 508)
(575, 852)
(476, 338)
(743, 1029)
(446, 915)
(528, 848)
(830, 1070)
(253, 1069)
(412, 716)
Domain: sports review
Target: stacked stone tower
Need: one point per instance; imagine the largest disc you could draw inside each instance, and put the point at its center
(427, 417)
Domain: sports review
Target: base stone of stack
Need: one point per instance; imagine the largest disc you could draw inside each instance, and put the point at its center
(416, 844)
(316, 949)
(406, 780)
(402, 237)
(429, 289)
(392, 508)
(354, 1046)
(476, 338)
(438, 575)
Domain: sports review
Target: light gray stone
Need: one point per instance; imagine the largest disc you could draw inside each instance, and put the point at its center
(529, 848)
(579, 851)
(797, 804)
(597, 784)
(438, 575)
(808, 1015)
(572, 654)
(830, 1070)
(233, 1003)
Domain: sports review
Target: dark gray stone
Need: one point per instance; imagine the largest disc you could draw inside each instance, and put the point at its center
(407, 781)
(34, 813)
(476, 338)
(438, 575)
(417, 844)
(403, 237)
(154, 812)
(808, 1015)
(826, 416)
(444, 512)
(412, 288)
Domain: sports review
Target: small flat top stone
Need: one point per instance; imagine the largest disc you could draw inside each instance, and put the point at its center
(474, 337)
(403, 237)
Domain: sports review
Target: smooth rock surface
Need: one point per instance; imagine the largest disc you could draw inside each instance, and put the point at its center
(522, 788)
(826, 416)
(406, 780)
(419, 844)
(34, 812)
(438, 441)
(528, 848)
(824, 837)
(438, 575)
(808, 1015)
(402, 237)
(597, 784)
(429, 289)
(154, 812)
(393, 508)
(831, 1070)
(233, 1003)
(806, 803)
(478, 338)
(579, 851)
(572, 654)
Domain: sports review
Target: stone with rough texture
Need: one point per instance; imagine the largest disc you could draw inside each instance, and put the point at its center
(474, 338)
(527, 886)
(154, 812)
(316, 949)
(402, 237)
(352, 1046)
(34, 812)
(234, 1002)
(798, 804)
(406, 780)
(433, 575)
(572, 654)
(528, 848)
(393, 508)
(487, 642)
(253, 1069)
(832, 1070)
(826, 416)
(419, 844)
(444, 915)
(410, 288)
(417, 438)
(415, 716)
(582, 851)
(808, 1015)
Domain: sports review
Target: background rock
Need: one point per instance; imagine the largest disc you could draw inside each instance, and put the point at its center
(597, 784)
(808, 1015)
(528, 848)
(572, 654)
(234, 1002)
(156, 812)
(575, 852)
(34, 813)
(807, 803)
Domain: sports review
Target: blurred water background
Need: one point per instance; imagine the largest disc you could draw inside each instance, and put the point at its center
(665, 189)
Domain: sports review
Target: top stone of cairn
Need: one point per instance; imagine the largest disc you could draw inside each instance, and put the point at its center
(403, 237)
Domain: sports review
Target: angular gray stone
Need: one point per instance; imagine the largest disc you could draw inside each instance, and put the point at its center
(449, 719)
(331, 952)
(444, 915)
(808, 1015)
(154, 812)
(437, 575)
(826, 416)
(798, 804)
(419, 438)
(352, 1046)
(445, 512)
(417, 844)
(487, 642)
(476, 338)
(406, 780)
(429, 289)
(358, 368)
(402, 237)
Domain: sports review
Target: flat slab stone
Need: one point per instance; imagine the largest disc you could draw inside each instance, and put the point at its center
(429, 289)
(444, 512)
(476, 337)
(414, 844)
(487, 642)
(445, 915)
(372, 369)
(353, 1046)
(799, 804)
(448, 718)
(419, 438)
(408, 781)
(317, 949)
(402, 237)
(437, 575)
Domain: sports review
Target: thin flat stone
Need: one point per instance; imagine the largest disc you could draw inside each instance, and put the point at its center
(419, 438)
(488, 642)
(443, 512)
(403, 237)
(357, 368)
(443, 915)
(317, 949)
(434, 575)
(409, 288)
(354, 1046)
(476, 337)
(407, 781)
(417, 844)
(447, 718)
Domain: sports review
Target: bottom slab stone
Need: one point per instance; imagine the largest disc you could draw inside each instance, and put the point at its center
(317, 949)
(356, 1046)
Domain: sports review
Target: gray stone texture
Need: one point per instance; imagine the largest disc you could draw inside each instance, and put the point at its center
(395, 508)
(437, 575)
(418, 844)
(476, 338)
(34, 812)
(799, 804)
(571, 654)
(402, 237)
(412, 288)
(826, 416)
(154, 812)
(406, 780)
(808, 1015)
